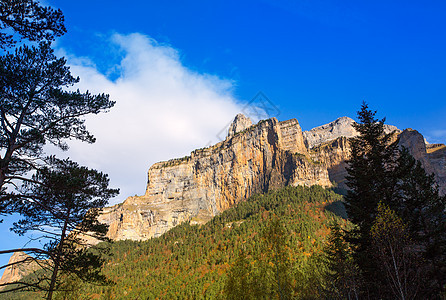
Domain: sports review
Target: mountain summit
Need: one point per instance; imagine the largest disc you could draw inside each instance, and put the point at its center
(252, 159)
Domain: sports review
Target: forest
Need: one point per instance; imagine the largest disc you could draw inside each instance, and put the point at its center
(383, 238)
(285, 229)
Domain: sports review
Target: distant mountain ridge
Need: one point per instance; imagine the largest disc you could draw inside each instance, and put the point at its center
(341, 127)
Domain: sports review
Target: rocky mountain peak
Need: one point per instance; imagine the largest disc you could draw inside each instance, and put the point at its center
(240, 123)
(331, 131)
(253, 159)
(21, 264)
(341, 127)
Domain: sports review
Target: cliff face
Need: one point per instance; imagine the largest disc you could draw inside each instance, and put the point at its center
(332, 155)
(252, 159)
(431, 156)
(436, 154)
(330, 147)
(341, 127)
(20, 265)
(265, 156)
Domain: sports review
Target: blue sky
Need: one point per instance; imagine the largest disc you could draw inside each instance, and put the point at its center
(316, 60)
(180, 70)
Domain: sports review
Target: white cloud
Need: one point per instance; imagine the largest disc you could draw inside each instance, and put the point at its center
(163, 110)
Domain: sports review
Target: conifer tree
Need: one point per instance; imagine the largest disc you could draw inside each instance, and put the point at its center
(370, 180)
(381, 171)
(62, 203)
(29, 20)
(342, 276)
(370, 171)
(36, 109)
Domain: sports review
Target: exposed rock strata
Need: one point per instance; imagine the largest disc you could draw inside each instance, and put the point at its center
(268, 155)
(431, 156)
(251, 160)
(240, 123)
(341, 127)
(333, 153)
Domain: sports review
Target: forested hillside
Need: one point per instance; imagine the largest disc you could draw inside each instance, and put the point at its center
(270, 243)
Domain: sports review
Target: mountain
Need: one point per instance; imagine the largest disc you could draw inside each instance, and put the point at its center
(341, 127)
(252, 159)
(195, 261)
(20, 264)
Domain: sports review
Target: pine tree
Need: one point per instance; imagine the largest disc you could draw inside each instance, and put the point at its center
(65, 202)
(30, 20)
(36, 109)
(342, 276)
(381, 171)
(370, 180)
(370, 169)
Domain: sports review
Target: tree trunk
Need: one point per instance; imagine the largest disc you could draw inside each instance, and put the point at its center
(57, 258)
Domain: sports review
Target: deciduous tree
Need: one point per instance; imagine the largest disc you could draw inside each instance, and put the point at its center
(396, 255)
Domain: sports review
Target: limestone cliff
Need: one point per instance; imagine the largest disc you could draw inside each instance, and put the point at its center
(268, 155)
(252, 159)
(431, 156)
(341, 127)
(240, 123)
(330, 147)
(20, 265)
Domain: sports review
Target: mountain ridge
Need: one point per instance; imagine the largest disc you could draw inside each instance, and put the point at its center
(252, 159)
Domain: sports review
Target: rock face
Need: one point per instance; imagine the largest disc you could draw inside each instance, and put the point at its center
(341, 127)
(431, 156)
(328, 145)
(265, 156)
(21, 265)
(252, 159)
(240, 123)
(333, 155)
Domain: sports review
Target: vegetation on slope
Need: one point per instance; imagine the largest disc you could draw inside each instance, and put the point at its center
(194, 262)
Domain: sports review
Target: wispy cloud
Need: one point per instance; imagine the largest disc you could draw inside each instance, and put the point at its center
(163, 110)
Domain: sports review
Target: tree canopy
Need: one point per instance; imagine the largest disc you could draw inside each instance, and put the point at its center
(29, 20)
(37, 109)
(65, 202)
(382, 171)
